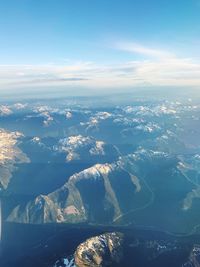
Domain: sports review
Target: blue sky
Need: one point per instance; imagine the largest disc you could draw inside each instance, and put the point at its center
(103, 43)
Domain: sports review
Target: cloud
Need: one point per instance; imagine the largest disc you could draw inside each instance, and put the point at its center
(142, 50)
(155, 68)
(48, 80)
(44, 75)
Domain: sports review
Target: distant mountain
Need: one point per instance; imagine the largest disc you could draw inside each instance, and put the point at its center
(131, 166)
(135, 165)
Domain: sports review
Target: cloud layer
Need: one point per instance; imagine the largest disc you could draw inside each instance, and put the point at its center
(154, 68)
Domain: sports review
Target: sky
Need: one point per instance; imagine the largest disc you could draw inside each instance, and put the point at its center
(99, 44)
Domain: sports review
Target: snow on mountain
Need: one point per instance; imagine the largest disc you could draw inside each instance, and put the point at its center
(72, 146)
(95, 119)
(5, 111)
(10, 154)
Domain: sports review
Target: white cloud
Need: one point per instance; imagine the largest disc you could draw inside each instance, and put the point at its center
(155, 68)
(140, 49)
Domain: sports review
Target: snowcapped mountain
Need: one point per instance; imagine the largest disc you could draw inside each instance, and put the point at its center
(102, 166)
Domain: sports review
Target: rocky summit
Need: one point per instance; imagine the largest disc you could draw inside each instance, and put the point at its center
(100, 251)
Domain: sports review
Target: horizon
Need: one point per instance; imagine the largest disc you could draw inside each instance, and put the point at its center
(95, 46)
